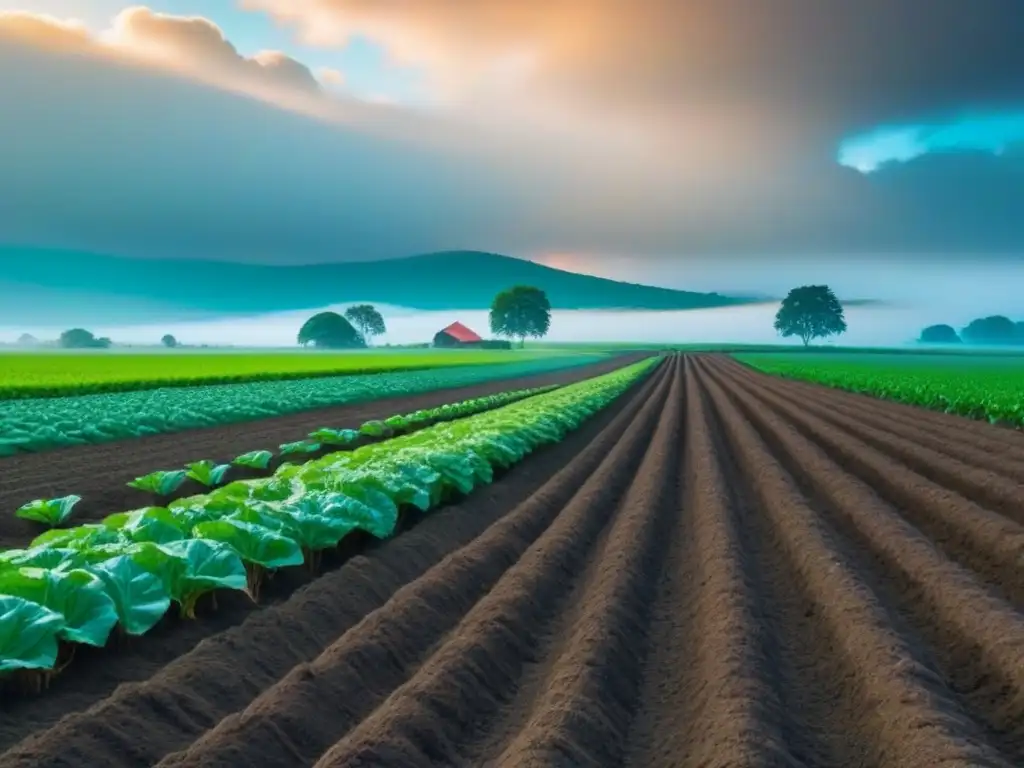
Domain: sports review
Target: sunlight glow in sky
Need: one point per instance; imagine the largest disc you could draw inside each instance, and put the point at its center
(988, 133)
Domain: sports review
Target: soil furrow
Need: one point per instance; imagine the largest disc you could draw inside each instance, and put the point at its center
(966, 470)
(427, 720)
(1001, 441)
(226, 672)
(846, 415)
(293, 722)
(979, 539)
(586, 710)
(721, 706)
(902, 713)
(949, 609)
(99, 473)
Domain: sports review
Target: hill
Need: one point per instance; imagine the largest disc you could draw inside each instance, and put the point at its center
(193, 288)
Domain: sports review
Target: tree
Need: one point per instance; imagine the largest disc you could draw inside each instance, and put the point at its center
(169, 341)
(367, 319)
(27, 340)
(995, 329)
(330, 330)
(810, 312)
(519, 312)
(79, 338)
(939, 334)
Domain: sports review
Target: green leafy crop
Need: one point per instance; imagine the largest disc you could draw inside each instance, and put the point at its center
(253, 459)
(975, 386)
(161, 483)
(75, 585)
(207, 473)
(50, 512)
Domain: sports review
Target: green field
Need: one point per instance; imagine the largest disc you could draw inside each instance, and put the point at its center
(55, 374)
(978, 385)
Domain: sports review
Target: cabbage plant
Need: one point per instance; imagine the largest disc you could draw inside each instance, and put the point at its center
(328, 436)
(375, 429)
(253, 459)
(259, 547)
(191, 568)
(76, 595)
(207, 472)
(138, 596)
(28, 634)
(162, 483)
(50, 512)
(299, 446)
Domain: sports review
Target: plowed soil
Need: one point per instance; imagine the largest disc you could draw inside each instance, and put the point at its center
(724, 569)
(99, 473)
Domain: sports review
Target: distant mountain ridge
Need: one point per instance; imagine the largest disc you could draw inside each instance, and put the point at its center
(435, 281)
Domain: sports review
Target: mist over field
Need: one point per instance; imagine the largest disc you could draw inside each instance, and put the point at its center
(906, 298)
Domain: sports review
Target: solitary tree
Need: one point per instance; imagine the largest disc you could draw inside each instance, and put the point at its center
(367, 319)
(330, 330)
(169, 341)
(939, 334)
(28, 340)
(810, 312)
(519, 312)
(79, 338)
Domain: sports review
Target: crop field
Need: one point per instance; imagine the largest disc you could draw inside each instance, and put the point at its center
(988, 387)
(42, 424)
(76, 373)
(648, 561)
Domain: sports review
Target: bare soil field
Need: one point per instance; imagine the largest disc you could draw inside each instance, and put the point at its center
(99, 473)
(724, 569)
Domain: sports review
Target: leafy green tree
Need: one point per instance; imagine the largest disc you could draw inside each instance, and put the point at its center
(330, 330)
(367, 319)
(939, 334)
(995, 329)
(169, 341)
(519, 312)
(810, 312)
(79, 338)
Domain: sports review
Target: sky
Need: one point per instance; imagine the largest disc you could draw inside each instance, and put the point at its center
(685, 142)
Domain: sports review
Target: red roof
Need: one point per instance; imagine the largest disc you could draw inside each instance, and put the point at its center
(461, 333)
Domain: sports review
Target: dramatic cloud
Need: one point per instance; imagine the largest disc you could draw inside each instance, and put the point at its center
(44, 31)
(188, 44)
(199, 45)
(826, 64)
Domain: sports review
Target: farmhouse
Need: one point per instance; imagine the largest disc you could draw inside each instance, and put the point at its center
(457, 335)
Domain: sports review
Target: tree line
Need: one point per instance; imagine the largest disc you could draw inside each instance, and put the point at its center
(520, 312)
(516, 313)
(994, 329)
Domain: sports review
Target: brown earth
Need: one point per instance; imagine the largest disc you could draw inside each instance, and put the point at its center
(99, 473)
(725, 569)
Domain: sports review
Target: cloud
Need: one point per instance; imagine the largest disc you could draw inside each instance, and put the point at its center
(199, 45)
(44, 31)
(186, 44)
(693, 71)
(330, 76)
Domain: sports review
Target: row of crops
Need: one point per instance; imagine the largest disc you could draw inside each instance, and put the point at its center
(47, 423)
(165, 483)
(122, 575)
(986, 388)
(36, 374)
